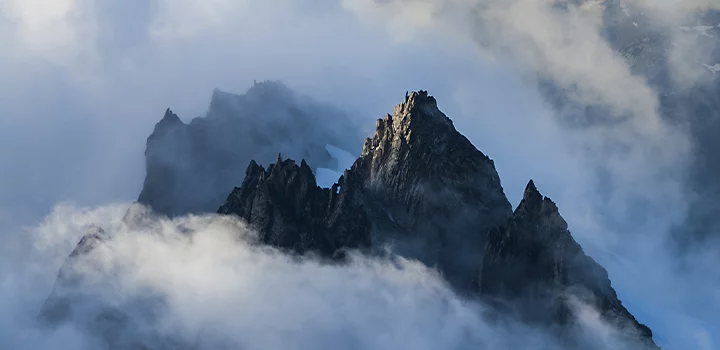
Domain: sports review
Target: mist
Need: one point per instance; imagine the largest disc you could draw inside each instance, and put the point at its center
(84, 81)
(204, 281)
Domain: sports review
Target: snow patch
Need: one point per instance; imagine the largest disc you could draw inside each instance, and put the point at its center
(702, 30)
(344, 158)
(714, 68)
(327, 177)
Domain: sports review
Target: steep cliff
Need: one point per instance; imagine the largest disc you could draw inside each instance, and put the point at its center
(419, 186)
(423, 188)
(534, 263)
(288, 209)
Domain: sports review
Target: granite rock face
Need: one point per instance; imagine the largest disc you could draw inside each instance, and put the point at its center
(423, 188)
(430, 193)
(191, 167)
(419, 186)
(534, 263)
(288, 209)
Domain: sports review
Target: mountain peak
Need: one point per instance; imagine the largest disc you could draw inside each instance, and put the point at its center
(531, 193)
(170, 117)
(169, 121)
(534, 257)
(414, 100)
(285, 205)
(535, 206)
(191, 167)
(398, 188)
(530, 187)
(420, 187)
(417, 163)
(417, 126)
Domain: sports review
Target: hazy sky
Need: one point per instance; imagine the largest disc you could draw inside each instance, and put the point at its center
(82, 82)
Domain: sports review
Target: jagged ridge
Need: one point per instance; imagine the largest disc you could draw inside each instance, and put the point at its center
(191, 167)
(288, 209)
(425, 188)
(397, 192)
(533, 259)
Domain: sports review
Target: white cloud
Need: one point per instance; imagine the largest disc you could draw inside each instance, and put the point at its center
(219, 288)
(567, 46)
(59, 31)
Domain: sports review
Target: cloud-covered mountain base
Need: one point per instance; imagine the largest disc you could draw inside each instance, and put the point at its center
(201, 282)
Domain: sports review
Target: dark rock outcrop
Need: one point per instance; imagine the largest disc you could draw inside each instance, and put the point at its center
(190, 167)
(288, 209)
(429, 192)
(534, 263)
(419, 186)
(424, 188)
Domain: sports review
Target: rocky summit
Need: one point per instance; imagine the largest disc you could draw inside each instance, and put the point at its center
(421, 190)
(419, 186)
(533, 262)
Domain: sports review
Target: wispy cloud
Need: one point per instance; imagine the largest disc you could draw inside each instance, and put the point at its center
(566, 45)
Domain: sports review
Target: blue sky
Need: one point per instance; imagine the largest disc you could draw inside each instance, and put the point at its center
(87, 79)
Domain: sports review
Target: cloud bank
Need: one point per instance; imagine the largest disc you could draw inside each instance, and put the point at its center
(211, 286)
